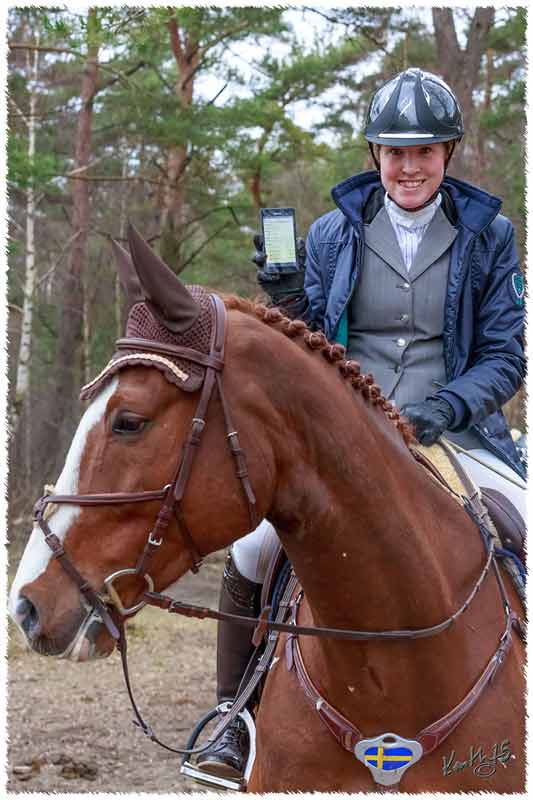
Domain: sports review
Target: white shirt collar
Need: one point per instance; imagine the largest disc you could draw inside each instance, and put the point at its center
(411, 219)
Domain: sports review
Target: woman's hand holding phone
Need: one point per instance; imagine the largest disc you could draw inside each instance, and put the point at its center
(281, 286)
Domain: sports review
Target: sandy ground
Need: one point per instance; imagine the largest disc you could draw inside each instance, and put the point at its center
(69, 725)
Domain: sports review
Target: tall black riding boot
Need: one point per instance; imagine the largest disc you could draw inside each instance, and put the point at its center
(227, 756)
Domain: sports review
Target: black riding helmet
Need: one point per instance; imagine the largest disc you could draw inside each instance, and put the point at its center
(413, 108)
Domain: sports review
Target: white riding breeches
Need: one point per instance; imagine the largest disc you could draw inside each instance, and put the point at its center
(251, 553)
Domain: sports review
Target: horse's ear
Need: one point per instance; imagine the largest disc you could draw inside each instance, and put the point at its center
(167, 297)
(128, 277)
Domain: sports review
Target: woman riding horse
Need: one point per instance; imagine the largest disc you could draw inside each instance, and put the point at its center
(417, 275)
(214, 414)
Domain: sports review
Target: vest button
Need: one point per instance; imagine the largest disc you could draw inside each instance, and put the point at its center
(400, 342)
(406, 286)
(404, 318)
(398, 368)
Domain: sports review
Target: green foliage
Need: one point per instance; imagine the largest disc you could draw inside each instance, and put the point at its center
(37, 172)
(275, 116)
(502, 124)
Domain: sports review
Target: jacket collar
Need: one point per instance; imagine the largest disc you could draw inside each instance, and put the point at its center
(441, 235)
(381, 239)
(361, 197)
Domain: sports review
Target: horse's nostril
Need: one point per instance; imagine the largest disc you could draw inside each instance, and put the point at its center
(23, 607)
(28, 615)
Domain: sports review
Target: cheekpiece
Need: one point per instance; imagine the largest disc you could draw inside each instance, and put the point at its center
(388, 756)
(143, 325)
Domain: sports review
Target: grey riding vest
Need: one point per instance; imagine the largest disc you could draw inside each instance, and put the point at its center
(396, 317)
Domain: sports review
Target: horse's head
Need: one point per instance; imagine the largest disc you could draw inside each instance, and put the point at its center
(131, 441)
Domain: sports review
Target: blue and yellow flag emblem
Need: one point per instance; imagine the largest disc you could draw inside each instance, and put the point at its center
(388, 757)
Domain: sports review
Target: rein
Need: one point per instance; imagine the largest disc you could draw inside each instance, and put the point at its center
(263, 624)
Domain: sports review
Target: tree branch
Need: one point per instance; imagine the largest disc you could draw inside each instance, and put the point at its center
(120, 76)
(201, 247)
(209, 46)
(113, 178)
(213, 99)
(43, 48)
(17, 109)
(199, 218)
(77, 171)
(105, 67)
(224, 35)
(163, 80)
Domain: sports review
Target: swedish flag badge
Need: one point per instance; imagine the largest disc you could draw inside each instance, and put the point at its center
(388, 756)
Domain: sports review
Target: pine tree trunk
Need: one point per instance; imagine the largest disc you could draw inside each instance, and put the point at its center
(255, 189)
(86, 336)
(71, 300)
(186, 53)
(460, 68)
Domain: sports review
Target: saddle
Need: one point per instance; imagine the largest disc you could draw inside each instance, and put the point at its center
(507, 520)
(504, 516)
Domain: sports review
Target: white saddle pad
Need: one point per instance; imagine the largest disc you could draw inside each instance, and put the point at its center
(488, 471)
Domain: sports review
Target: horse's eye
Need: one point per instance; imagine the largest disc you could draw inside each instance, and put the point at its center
(126, 422)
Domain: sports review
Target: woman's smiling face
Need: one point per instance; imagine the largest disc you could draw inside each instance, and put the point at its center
(411, 175)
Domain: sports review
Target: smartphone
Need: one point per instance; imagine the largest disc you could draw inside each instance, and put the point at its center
(278, 226)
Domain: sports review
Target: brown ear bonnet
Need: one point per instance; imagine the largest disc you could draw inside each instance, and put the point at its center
(162, 310)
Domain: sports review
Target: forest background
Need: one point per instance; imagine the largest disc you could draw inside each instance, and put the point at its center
(186, 121)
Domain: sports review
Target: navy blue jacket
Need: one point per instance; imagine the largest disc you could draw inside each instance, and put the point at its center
(484, 313)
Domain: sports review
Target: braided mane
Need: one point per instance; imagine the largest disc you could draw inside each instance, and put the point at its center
(333, 353)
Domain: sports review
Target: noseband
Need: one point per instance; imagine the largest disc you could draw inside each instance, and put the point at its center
(171, 495)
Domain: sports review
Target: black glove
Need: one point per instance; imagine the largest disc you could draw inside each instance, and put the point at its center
(280, 286)
(429, 418)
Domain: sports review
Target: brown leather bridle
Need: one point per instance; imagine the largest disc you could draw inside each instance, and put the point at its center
(171, 495)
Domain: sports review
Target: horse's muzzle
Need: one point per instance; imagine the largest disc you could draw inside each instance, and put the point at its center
(83, 638)
(27, 617)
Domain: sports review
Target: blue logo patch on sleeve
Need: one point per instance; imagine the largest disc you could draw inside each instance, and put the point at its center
(518, 288)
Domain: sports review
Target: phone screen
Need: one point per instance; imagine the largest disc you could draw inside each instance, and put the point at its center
(279, 235)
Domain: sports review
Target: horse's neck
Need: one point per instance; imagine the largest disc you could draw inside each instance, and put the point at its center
(377, 545)
(368, 532)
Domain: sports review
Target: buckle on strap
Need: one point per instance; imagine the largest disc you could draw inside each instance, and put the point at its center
(114, 596)
(388, 756)
(197, 428)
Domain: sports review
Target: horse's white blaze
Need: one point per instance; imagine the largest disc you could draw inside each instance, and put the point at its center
(37, 554)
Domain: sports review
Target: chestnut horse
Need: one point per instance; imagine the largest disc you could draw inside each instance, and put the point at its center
(375, 541)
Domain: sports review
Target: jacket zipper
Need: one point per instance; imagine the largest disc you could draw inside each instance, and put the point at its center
(357, 271)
